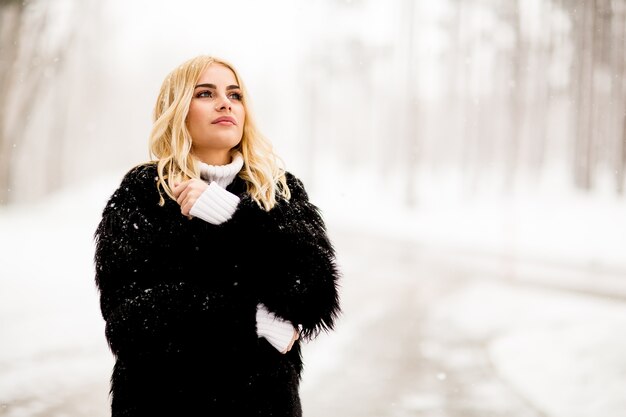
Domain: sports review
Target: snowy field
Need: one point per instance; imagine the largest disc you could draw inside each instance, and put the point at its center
(497, 308)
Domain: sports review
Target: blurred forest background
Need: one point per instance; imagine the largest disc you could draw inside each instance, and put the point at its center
(462, 97)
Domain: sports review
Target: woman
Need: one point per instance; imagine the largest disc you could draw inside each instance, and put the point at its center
(211, 262)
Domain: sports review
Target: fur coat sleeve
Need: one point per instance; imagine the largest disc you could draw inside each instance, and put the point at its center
(149, 304)
(298, 258)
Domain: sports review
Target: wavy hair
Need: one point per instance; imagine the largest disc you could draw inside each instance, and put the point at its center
(170, 141)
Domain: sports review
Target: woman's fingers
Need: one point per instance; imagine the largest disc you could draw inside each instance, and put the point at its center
(187, 193)
(296, 336)
(179, 187)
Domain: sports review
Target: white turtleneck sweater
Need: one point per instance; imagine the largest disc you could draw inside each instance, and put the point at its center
(217, 205)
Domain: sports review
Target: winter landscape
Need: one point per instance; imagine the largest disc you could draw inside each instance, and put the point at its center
(468, 158)
(498, 309)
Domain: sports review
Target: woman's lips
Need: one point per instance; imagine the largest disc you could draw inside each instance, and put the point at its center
(224, 121)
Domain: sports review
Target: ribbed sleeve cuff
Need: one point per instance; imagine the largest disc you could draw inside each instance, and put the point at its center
(215, 205)
(278, 332)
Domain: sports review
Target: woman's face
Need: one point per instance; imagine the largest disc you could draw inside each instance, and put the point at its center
(216, 113)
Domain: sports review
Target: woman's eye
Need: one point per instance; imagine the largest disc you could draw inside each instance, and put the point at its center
(202, 94)
(236, 96)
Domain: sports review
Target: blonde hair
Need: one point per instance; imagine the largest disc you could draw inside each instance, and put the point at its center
(170, 141)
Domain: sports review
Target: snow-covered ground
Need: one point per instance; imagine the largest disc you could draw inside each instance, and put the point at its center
(51, 332)
(546, 296)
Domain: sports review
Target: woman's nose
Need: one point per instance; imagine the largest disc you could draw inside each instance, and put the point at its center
(223, 103)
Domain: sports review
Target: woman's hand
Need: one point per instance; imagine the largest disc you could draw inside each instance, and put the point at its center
(296, 336)
(187, 193)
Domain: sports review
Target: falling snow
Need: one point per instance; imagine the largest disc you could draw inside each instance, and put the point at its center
(448, 306)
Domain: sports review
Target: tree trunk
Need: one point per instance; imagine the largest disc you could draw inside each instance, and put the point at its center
(11, 15)
(411, 112)
(517, 90)
(618, 91)
(584, 27)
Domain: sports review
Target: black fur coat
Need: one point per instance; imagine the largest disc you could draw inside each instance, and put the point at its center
(179, 298)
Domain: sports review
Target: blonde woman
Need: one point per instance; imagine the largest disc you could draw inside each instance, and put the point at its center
(211, 262)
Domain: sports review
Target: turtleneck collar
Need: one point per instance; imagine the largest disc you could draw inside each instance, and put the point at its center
(221, 174)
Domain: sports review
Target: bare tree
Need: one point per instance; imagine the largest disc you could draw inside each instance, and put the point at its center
(38, 51)
(603, 132)
(618, 91)
(542, 92)
(518, 61)
(584, 31)
(23, 74)
(411, 110)
(11, 18)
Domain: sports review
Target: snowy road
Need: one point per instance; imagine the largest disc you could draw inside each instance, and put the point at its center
(400, 361)
(432, 332)
(425, 332)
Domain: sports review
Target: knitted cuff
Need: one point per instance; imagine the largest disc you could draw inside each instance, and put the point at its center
(215, 205)
(278, 332)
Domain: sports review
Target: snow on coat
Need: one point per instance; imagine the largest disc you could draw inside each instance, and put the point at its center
(179, 298)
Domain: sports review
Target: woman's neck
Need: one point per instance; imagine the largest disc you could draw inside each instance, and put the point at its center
(215, 158)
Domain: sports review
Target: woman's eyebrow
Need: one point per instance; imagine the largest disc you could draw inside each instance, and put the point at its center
(230, 87)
